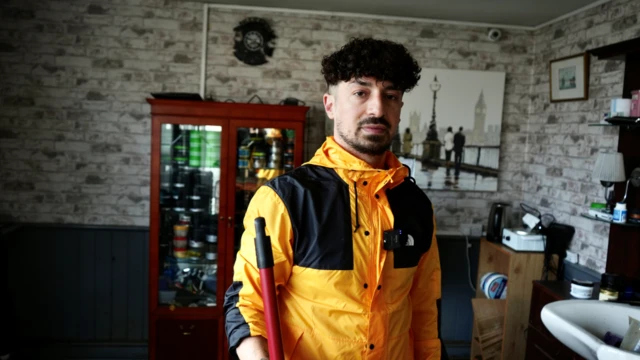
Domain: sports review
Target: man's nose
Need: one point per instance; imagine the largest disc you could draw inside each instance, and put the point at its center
(375, 105)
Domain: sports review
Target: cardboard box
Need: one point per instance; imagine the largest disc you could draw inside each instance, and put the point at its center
(635, 103)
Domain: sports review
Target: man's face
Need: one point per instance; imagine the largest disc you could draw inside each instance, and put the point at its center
(366, 113)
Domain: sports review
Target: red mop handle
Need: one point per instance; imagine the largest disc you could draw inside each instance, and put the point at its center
(264, 255)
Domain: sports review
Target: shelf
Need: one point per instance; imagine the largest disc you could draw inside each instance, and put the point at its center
(617, 49)
(628, 224)
(632, 121)
(186, 263)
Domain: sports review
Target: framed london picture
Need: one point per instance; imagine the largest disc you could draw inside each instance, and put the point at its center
(569, 78)
(450, 126)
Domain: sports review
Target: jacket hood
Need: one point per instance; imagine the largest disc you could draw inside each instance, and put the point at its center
(332, 155)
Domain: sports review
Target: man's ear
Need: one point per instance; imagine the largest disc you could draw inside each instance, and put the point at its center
(329, 101)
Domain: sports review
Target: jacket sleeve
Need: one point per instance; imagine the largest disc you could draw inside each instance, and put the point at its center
(425, 298)
(243, 306)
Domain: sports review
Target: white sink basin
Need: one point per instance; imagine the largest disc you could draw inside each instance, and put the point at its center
(581, 324)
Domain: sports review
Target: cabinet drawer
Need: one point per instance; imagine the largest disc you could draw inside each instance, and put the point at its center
(542, 347)
(187, 339)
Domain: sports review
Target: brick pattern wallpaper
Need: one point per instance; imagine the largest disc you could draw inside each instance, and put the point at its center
(74, 125)
(562, 147)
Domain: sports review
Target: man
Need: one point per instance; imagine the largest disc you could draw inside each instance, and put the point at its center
(458, 148)
(431, 149)
(448, 146)
(356, 261)
(407, 143)
(396, 145)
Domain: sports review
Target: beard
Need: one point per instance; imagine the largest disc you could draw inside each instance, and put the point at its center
(372, 144)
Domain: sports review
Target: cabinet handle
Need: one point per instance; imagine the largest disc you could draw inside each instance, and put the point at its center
(186, 333)
(229, 220)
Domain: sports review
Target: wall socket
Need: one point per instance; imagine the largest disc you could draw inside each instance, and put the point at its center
(473, 230)
(572, 257)
(476, 230)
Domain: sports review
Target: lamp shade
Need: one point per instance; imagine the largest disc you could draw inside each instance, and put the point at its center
(609, 167)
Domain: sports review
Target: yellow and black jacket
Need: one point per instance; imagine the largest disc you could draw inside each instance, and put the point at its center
(341, 295)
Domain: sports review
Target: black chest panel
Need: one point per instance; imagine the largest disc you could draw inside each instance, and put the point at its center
(318, 203)
(413, 214)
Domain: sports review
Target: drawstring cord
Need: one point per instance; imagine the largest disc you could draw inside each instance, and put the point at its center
(355, 189)
(409, 176)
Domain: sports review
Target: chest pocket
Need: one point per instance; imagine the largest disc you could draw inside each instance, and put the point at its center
(413, 214)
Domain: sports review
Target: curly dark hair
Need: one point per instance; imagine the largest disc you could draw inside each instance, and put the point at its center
(382, 59)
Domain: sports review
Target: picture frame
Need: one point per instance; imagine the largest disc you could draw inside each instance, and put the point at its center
(569, 78)
(450, 129)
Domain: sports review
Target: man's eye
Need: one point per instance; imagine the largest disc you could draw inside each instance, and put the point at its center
(391, 97)
(359, 93)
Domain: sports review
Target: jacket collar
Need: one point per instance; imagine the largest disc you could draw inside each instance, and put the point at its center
(332, 155)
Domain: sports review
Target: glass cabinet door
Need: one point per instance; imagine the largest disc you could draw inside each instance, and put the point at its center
(262, 154)
(189, 215)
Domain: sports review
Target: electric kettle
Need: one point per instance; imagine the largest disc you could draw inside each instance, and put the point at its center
(497, 220)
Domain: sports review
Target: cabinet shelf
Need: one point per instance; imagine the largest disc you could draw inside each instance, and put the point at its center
(628, 224)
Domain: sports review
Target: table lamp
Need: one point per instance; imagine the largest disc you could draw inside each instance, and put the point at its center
(609, 169)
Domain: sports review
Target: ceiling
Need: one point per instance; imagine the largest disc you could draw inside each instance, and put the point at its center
(520, 13)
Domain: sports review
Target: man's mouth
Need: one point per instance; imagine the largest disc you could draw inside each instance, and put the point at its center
(375, 126)
(375, 129)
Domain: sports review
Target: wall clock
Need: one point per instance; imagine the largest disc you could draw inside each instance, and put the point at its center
(254, 41)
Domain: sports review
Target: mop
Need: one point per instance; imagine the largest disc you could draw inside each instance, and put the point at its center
(264, 256)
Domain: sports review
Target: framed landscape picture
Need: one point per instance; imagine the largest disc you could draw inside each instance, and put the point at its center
(569, 78)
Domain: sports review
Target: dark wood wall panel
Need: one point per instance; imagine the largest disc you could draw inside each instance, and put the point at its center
(623, 254)
(79, 284)
(102, 288)
(136, 289)
(86, 326)
(69, 283)
(119, 279)
(456, 311)
(90, 285)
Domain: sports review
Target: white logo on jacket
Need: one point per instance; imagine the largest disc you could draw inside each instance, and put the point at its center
(410, 241)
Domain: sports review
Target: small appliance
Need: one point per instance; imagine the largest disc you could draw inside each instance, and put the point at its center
(497, 221)
(523, 240)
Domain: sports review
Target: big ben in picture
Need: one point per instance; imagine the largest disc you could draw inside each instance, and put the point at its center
(478, 135)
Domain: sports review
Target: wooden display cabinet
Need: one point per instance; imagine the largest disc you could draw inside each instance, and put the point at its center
(624, 241)
(207, 161)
